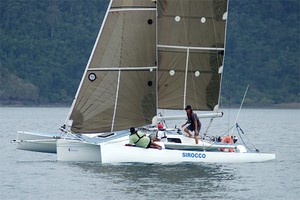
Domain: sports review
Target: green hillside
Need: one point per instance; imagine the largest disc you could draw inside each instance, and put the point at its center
(263, 51)
(45, 45)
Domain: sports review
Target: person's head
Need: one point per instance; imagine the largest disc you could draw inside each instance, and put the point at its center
(188, 109)
(160, 126)
(132, 130)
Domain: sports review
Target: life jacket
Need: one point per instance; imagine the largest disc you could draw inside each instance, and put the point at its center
(139, 140)
(138, 137)
(228, 140)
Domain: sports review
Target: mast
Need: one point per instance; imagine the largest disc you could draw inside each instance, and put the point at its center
(225, 17)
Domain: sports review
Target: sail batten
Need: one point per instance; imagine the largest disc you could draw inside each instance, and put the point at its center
(191, 47)
(132, 9)
(123, 69)
(185, 78)
(116, 102)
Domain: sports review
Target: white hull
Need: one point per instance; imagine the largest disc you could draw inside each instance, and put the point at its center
(38, 142)
(117, 152)
(75, 150)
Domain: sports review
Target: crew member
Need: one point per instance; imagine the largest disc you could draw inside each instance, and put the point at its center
(194, 123)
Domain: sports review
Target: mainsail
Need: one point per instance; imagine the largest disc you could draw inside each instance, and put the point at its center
(118, 88)
(191, 36)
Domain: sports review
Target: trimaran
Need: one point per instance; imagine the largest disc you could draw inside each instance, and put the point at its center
(149, 55)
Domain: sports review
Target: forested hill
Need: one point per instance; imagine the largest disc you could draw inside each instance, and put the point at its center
(45, 45)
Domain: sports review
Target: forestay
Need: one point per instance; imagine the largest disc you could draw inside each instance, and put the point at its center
(118, 87)
(191, 36)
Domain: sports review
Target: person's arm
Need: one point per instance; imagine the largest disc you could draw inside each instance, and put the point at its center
(130, 145)
(184, 124)
(196, 127)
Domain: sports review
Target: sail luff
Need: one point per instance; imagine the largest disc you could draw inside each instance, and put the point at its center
(226, 24)
(88, 63)
(156, 56)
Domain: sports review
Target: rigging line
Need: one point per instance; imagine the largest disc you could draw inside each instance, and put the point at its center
(241, 105)
(184, 25)
(213, 22)
(156, 58)
(238, 127)
(228, 130)
(206, 131)
(163, 119)
(221, 136)
(187, 55)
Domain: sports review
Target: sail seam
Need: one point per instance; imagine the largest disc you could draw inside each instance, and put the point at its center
(116, 102)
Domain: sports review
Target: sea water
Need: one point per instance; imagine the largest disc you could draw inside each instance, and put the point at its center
(31, 175)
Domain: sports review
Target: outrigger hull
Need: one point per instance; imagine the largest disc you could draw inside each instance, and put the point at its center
(117, 152)
(38, 142)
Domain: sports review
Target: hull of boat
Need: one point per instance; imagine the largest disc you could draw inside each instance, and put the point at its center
(78, 151)
(38, 142)
(117, 152)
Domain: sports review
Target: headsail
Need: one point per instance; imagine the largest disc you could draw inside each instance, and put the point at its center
(191, 36)
(118, 88)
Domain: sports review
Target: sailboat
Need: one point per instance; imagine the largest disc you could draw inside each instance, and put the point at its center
(148, 56)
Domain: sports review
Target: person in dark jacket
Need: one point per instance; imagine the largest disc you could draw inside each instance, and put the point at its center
(194, 123)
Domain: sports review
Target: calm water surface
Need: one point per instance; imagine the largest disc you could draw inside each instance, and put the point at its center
(29, 175)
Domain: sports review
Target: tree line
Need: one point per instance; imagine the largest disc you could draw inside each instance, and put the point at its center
(45, 45)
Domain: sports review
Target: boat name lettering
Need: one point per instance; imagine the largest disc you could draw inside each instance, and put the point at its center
(69, 149)
(194, 155)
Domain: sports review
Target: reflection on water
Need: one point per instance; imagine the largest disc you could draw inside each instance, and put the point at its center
(184, 180)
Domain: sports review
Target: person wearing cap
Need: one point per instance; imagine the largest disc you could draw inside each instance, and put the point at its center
(139, 139)
(194, 123)
(161, 135)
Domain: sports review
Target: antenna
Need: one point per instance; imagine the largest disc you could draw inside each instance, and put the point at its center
(237, 116)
